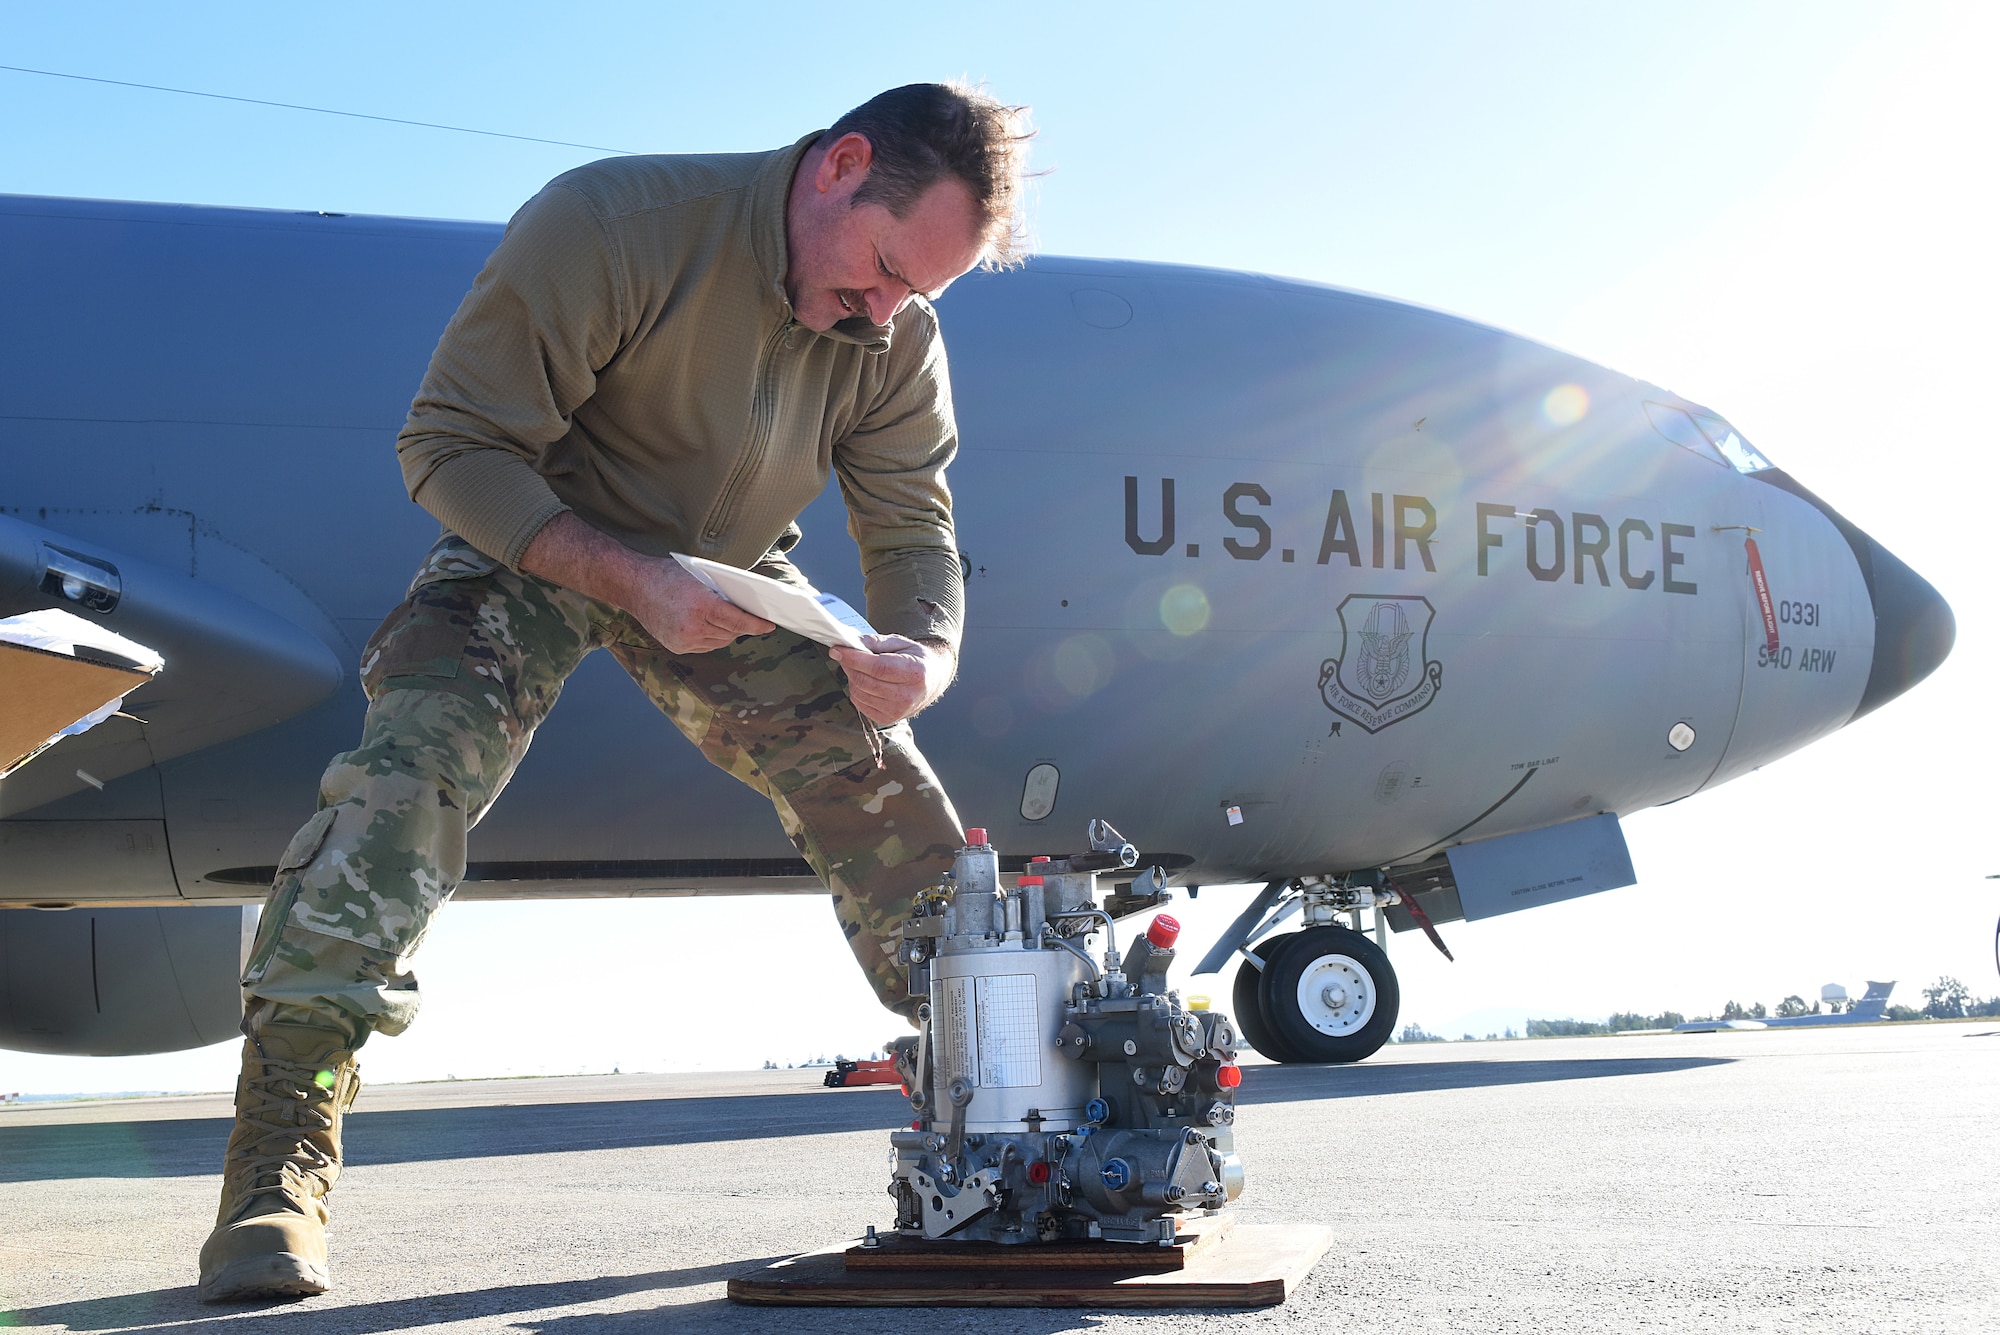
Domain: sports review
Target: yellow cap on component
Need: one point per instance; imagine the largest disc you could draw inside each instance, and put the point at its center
(1197, 1003)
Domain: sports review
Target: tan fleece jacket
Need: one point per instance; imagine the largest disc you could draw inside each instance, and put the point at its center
(628, 353)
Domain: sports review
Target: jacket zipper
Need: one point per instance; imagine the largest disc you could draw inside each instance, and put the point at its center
(762, 416)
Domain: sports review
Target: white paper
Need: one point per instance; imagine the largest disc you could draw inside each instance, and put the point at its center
(61, 632)
(815, 615)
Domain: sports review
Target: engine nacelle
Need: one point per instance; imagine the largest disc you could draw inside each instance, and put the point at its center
(117, 982)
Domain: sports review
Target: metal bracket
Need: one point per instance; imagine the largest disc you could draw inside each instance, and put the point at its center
(960, 1094)
(1238, 933)
(955, 1206)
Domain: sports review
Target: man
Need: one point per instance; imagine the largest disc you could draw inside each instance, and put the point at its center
(663, 354)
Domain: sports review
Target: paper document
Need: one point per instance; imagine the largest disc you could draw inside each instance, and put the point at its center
(815, 615)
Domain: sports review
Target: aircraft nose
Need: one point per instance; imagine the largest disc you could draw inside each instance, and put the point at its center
(1914, 628)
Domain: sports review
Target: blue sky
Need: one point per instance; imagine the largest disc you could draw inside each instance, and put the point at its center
(1424, 150)
(1784, 210)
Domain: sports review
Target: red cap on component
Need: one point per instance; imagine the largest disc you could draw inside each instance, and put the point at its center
(1166, 930)
(1229, 1077)
(976, 836)
(1038, 1172)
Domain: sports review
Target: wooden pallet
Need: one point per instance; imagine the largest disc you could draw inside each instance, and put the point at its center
(1250, 1265)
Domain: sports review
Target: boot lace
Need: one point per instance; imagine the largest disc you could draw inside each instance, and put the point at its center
(292, 1117)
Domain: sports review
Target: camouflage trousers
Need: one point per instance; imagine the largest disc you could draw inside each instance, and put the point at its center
(459, 676)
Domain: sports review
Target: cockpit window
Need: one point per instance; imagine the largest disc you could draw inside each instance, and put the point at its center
(1678, 427)
(1707, 435)
(1741, 455)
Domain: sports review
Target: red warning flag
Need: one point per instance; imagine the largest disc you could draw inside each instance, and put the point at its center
(1763, 588)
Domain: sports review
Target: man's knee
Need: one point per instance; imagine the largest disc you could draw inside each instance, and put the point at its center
(330, 983)
(464, 748)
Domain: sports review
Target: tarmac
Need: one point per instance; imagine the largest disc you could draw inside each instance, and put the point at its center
(1843, 1179)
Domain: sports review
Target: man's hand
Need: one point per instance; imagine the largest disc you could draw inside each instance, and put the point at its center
(676, 609)
(687, 616)
(898, 678)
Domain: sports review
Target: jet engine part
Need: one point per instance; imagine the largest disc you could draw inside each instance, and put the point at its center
(112, 982)
(1058, 1094)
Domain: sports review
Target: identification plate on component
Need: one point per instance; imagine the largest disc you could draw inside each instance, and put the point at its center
(990, 1032)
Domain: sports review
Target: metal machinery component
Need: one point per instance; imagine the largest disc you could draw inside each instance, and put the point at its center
(1057, 1095)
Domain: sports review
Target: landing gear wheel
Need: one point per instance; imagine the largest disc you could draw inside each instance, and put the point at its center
(1329, 995)
(1247, 1008)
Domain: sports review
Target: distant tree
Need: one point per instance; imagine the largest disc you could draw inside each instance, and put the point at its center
(1563, 1028)
(1757, 1012)
(1624, 1021)
(1792, 1005)
(1732, 1011)
(1991, 1006)
(1467, 1038)
(1945, 999)
(1668, 1019)
(1415, 1033)
(1903, 1013)
(1510, 1032)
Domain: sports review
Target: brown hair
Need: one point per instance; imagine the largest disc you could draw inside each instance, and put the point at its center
(923, 132)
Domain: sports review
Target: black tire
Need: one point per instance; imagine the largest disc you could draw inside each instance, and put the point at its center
(1348, 961)
(1246, 1008)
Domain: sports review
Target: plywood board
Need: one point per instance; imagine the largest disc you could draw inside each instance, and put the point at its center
(1255, 1265)
(41, 693)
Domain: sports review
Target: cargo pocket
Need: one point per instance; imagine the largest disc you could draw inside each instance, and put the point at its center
(299, 854)
(421, 643)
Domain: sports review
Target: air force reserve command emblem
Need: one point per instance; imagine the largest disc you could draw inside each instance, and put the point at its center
(1382, 675)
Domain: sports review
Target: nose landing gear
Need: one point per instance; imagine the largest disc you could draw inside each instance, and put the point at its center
(1326, 994)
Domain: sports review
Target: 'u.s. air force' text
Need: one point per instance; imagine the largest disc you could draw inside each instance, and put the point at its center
(1387, 529)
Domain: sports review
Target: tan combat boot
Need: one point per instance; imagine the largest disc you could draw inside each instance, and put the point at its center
(283, 1157)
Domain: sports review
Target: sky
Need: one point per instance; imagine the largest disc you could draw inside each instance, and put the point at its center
(1785, 211)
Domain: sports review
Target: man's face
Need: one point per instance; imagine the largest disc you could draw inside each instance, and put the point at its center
(849, 260)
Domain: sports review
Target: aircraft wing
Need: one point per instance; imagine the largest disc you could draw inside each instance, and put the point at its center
(234, 667)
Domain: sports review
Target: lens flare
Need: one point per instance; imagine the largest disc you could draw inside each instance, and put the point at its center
(1184, 609)
(1084, 664)
(1565, 405)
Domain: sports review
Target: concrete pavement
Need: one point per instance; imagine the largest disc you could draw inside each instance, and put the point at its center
(1804, 1180)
